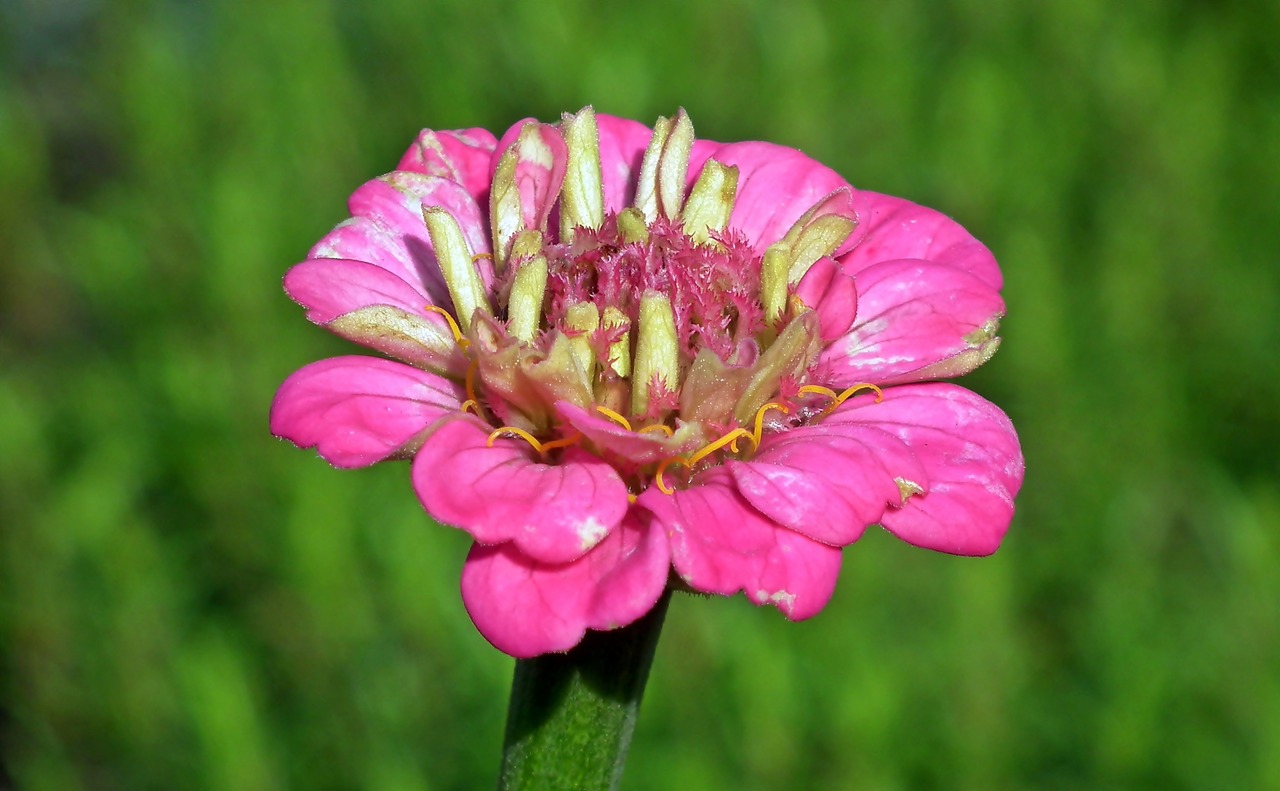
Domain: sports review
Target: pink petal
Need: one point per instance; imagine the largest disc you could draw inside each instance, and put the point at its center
(912, 316)
(339, 295)
(826, 481)
(721, 544)
(330, 287)
(463, 156)
(631, 446)
(526, 608)
(387, 229)
(622, 146)
(553, 513)
(831, 292)
(776, 185)
(970, 454)
(540, 169)
(891, 228)
(359, 410)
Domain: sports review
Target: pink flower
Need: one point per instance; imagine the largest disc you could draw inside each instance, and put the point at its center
(623, 350)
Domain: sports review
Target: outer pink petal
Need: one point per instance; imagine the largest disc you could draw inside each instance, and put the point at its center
(969, 452)
(776, 185)
(463, 156)
(537, 179)
(526, 608)
(721, 544)
(827, 481)
(912, 316)
(831, 292)
(891, 228)
(330, 287)
(387, 229)
(359, 410)
(622, 146)
(553, 513)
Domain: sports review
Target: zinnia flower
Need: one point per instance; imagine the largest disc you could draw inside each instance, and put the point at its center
(624, 351)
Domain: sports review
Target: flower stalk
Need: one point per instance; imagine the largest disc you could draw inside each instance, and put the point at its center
(572, 715)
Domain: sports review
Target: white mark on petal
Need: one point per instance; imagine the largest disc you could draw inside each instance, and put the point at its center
(908, 489)
(534, 149)
(591, 532)
(784, 600)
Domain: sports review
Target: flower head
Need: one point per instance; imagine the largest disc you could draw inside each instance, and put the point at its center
(624, 351)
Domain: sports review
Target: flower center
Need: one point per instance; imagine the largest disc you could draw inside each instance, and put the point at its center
(656, 337)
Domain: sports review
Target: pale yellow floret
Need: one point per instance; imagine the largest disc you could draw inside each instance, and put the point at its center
(524, 308)
(459, 270)
(657, 350)
(647, 180)
(773, 282)
(710, 201)
(620, 350)
(583, 319)
(582, 195)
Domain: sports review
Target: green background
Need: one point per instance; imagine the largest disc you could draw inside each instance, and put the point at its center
(187, 603)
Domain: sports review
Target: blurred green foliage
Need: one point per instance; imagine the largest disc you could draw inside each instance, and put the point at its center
(186, 603)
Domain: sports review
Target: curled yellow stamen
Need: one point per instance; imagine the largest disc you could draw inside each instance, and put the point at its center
(478, 257)
(512, 431)
(471, 380)
(730, 439)
(472, 406)
(663, 427)
(755, 436)
(662, 468)
(840, 399)
(563, 442)
(818, 390)
(540, 447)
(614, 416)
(453, 326)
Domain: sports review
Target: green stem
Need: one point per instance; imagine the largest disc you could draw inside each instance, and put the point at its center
(571, 715)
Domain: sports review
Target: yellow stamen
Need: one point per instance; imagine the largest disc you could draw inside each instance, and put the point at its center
(563, 442)
(664, 428)
(755, 436)
(730, 439)
(453, 326)
(840, 399)
(512, 431)
(471, 380)
(657, 476)
(472, 406)
(631, 498)
(818, 390)
(540, 447)
(478, 257)
(614, 416)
